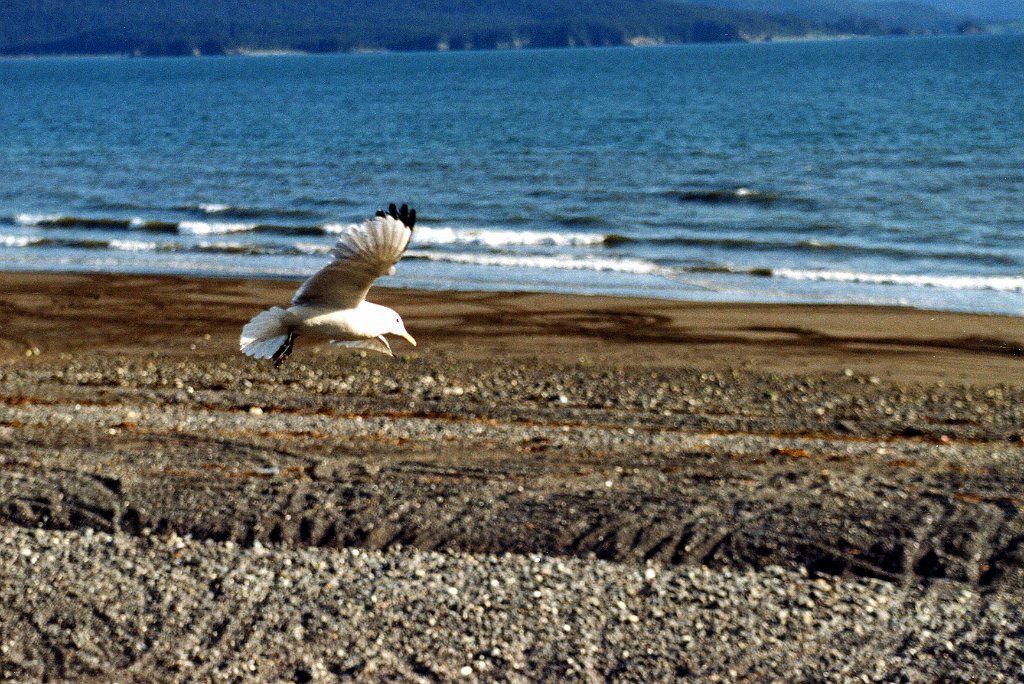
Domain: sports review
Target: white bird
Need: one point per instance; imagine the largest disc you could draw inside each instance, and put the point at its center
(332, 302)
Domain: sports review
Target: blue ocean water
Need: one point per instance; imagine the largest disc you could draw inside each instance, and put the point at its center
(871, 171)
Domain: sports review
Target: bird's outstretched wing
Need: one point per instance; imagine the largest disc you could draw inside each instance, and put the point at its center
(363, 253)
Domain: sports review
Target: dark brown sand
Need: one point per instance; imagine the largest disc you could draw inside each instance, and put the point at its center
(133, 314)
(835, 456)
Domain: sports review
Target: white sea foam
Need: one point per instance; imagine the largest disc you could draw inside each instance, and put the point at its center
(425, 236)
(638, 266)
(17, 240)
(312, 248)
(997, 283)
(34, 219)
(213, 208)
(337, 227)
(134, 245)
(503, 238)
(210, 228)
(229, 247)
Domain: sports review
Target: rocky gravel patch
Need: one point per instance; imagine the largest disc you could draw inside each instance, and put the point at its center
(166, 608)
(489, 459)
(421, 519)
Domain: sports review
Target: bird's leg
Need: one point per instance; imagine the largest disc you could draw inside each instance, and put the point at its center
(285, 350)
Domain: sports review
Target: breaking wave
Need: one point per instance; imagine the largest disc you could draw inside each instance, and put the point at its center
(624, 265)
(57, 221)
(213, 228)
(443, 237)
(205, 247)
(17, 241)
(135, 246)
(793, 253)
(298, 249)
(997, 283)
(495, 238)
(812, 246)
(233, 211)
(116, 245)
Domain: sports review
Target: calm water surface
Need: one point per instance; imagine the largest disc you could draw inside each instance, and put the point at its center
(881, 171)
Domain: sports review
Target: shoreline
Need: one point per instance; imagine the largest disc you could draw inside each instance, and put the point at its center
(57, 312)
(1009, 28)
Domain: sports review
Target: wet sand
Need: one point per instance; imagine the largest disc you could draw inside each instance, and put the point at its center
(132, 314)
(844, 467)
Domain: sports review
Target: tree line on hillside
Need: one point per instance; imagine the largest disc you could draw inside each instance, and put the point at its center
(183, 27)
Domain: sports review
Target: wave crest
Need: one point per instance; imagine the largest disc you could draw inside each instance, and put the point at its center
(625, 265)
(496, 238)
(997, 283)
(236, 211)
(213, 228)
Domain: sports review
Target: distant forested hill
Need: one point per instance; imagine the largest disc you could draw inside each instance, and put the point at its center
(983, 10)
(156, 27)
(180, 27)
(859, 16)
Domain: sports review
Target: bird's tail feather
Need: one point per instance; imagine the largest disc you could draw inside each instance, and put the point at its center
(265, 333)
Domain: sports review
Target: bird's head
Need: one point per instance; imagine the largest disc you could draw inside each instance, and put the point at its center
(398, 328)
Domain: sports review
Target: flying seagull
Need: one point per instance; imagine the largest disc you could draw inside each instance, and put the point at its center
(332, 302)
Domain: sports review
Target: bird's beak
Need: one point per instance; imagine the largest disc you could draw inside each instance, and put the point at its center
(409, 338)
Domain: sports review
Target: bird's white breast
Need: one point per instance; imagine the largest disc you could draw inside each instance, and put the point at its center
(359, 323)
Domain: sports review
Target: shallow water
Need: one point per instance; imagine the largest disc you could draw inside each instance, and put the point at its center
(874, 171)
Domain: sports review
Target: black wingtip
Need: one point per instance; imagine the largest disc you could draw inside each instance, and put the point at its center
(404, 214)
